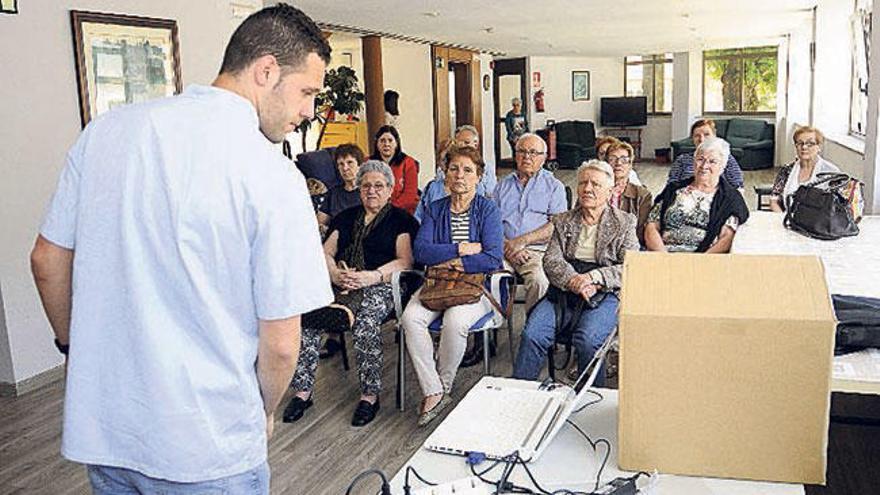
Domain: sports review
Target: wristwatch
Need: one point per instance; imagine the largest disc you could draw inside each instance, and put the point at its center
(62, 348)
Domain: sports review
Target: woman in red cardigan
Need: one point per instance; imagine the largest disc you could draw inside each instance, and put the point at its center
(406, 169)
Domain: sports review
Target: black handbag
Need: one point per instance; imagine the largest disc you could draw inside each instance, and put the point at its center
(819, 210)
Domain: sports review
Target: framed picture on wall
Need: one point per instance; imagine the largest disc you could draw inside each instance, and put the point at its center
(123, 59)
(8, 6)
(580, 85)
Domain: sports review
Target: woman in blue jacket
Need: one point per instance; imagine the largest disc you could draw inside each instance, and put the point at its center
(463, 231)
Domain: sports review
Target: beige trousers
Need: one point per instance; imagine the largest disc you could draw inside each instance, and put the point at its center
(533, 275)
(457, 320)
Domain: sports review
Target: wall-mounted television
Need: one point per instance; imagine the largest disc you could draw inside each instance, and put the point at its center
(628, 111)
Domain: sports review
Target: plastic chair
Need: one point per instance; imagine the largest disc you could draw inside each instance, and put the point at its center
(499, 283)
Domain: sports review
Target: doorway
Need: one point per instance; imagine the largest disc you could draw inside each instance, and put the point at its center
(456, 91)
(510, 82)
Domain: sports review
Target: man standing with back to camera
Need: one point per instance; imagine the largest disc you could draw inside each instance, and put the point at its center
(174, 261)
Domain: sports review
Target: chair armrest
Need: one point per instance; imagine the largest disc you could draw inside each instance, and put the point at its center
(767, 143)
(397, 288)
(495, 284)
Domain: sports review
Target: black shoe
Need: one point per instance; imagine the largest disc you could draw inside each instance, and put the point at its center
(364, 413)
(475, 354)
(295, 409)
(331, 347)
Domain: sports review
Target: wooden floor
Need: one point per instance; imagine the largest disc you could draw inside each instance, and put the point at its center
(322, 453)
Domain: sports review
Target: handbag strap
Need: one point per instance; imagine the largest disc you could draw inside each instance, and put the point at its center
(834, 180)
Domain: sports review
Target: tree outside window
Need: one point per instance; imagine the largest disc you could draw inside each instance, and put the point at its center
(650, 76)
(740, 80)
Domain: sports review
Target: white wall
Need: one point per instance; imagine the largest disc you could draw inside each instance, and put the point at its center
(687, 92)
(606, 79)
(406, 68)
(41, 99)
(657, 134)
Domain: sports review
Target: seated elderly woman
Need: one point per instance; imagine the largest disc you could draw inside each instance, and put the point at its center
(348, 158)
(698, 214)
(462, 231)
(584, 263)
(626, 195)
(365, 245)
(808, 144)
(436, 188)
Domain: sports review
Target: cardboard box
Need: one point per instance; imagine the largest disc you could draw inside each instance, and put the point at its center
(725, 366)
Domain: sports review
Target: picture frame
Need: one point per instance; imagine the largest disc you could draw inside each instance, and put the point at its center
(8, 6)
(122, 59)
(580, 85)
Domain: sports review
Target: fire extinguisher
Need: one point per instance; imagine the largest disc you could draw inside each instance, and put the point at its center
(539, 100)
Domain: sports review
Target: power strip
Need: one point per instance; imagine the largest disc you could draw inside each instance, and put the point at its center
(464, 486)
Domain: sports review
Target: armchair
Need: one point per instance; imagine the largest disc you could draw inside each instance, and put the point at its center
(575, 142)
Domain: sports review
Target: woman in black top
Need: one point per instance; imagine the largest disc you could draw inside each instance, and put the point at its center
(365, 245)
(348, 158)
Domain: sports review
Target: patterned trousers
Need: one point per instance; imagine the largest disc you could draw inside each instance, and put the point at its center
(377, 304)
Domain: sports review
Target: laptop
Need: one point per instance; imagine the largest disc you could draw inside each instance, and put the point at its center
(517, 416)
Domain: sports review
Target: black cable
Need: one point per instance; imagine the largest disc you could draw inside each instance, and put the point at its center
(594, 445)
(407, 488)
(600, 399)
(386, 488)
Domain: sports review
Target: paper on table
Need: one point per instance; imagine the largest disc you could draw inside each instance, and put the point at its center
(863, 365)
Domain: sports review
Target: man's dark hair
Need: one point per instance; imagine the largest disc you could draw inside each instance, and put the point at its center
(283, 31)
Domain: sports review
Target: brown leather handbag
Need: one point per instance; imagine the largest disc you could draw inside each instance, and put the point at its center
(446, 287)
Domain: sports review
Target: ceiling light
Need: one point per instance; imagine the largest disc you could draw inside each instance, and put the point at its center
(488, 30)
(432, 13)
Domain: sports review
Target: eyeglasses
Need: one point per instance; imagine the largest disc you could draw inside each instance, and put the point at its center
(713, 162)
(375, 187)
(530, 153)
(623, 160)
(805, 144)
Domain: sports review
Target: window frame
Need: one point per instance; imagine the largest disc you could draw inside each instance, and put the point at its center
(868, 12)
(655, 59)
(739, 57)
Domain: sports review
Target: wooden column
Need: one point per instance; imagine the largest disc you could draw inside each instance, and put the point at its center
(440, 61)
(374, 87)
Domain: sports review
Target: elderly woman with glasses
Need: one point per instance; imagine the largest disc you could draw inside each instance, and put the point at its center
(365, 245)
(808, 144)
(626, 195)
(462, 231)
(584, 263)
(699, 214)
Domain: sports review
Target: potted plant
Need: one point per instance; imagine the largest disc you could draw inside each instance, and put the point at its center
(340, 97)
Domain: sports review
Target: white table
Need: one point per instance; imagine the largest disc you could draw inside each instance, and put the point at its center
(852, 266)
(569, 462)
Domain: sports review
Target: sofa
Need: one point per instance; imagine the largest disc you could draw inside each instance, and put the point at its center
(575, 142)
(752, 142)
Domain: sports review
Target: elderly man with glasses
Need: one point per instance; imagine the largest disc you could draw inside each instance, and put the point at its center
(527, 198)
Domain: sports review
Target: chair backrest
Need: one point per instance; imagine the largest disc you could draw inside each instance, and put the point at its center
(751, 129)
(319, 165)
(576, 131)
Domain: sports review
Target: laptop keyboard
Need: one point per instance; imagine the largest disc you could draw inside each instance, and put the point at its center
(508, 419)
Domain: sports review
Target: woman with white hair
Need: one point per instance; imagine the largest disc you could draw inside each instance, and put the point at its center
(584, 263)
(365, 245)
(515, 123)
(699, 214)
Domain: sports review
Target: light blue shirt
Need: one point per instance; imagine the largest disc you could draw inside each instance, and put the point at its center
(188, 227)
(527, 208)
